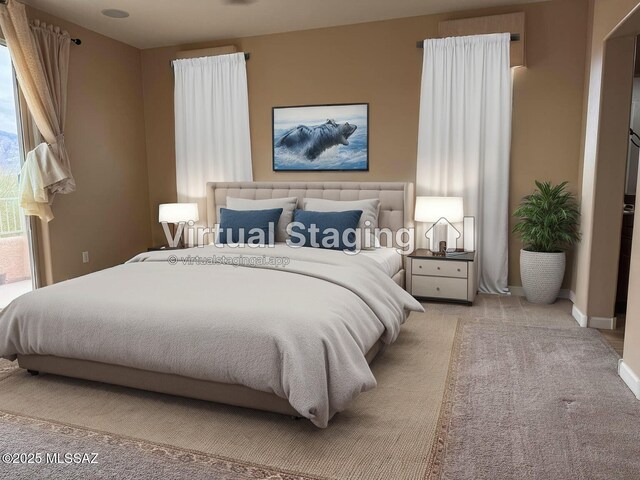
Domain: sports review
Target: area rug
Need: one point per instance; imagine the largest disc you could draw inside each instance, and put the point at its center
(33, 448)
(531, 402)
(387, 432)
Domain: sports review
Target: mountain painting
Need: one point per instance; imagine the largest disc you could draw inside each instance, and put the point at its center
(321, 137)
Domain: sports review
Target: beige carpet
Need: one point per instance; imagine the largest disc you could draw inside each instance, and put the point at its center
(533, 396)
(387, 433)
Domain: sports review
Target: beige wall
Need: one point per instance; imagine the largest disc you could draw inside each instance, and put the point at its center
(610, 60)
(548, 108)
(378, 63)
(595, 271)
(108, 215)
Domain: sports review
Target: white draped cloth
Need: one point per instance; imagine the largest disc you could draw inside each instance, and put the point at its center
(213, 143)
(464, 139)
(40, 178)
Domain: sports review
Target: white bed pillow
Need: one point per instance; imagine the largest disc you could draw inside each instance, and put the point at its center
(287, 204)
(370, 209)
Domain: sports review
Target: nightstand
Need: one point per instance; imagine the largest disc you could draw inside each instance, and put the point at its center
(451, 278)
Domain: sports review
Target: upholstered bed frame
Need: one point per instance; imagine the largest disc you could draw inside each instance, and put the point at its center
(396, 207)
(396, 199)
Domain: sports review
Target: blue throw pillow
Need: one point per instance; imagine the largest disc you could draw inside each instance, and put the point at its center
(330, 230)
(254, 227)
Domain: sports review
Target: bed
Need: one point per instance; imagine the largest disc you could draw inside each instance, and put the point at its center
(295, 340)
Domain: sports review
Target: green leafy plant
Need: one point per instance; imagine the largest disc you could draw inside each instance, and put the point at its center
(549, 219)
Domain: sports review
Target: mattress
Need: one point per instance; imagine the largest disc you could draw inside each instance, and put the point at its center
(387, 257)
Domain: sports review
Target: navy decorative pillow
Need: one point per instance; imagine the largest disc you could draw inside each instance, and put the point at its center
(330, 230)
(253, 227)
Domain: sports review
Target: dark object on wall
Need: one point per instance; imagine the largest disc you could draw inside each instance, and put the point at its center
(624, 263)
(321, 137)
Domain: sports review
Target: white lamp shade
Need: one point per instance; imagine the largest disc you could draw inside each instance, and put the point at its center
(178, 212)
(432, 209)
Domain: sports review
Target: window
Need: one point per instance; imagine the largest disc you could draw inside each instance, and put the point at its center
(15, 257)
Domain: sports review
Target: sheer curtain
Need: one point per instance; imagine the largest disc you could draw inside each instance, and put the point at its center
(212, 124)
(465, 138)
(40, 56)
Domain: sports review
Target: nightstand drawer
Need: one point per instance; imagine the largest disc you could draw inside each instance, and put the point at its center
(440, 268)
(439, 287)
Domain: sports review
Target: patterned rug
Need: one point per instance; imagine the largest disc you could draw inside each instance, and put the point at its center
(38, 448)
(33, 448)
(535, 402)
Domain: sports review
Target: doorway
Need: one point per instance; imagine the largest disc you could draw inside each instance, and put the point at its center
(616, 337)
(16, 266)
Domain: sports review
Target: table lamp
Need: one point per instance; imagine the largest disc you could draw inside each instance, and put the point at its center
(441, 212)
(177, 213)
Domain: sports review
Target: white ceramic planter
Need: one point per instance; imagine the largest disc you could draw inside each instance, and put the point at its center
(541, 275)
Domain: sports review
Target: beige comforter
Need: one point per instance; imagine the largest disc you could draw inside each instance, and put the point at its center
(299, 330)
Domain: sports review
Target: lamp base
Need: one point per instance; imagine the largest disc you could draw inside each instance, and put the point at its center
(442, 249)
(439, 238)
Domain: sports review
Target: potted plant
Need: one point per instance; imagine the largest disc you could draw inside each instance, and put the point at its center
(548, 225)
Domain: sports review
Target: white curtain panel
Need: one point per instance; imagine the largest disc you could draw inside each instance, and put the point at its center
(212, 125)
(465, 137)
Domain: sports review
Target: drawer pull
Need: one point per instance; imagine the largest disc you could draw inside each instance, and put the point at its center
(438, 289)
(438, 268)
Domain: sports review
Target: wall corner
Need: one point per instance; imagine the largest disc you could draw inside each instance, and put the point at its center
(629, 377)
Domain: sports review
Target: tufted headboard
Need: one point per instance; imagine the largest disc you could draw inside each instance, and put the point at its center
(396, 198)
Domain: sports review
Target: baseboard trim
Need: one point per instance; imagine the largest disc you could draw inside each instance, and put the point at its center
(605, 323)
(584, 320)
(629, 377)
(564, 293)
(580, 317)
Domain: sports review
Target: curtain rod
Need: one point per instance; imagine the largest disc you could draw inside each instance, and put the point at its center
(515, 37)
(76, 41)
(247, 56)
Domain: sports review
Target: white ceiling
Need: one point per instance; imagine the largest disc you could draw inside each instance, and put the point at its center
(157, 23)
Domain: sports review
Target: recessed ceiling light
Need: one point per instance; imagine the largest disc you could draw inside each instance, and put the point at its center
(115, 13)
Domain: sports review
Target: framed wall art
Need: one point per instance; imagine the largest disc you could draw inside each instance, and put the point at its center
(321, 137)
